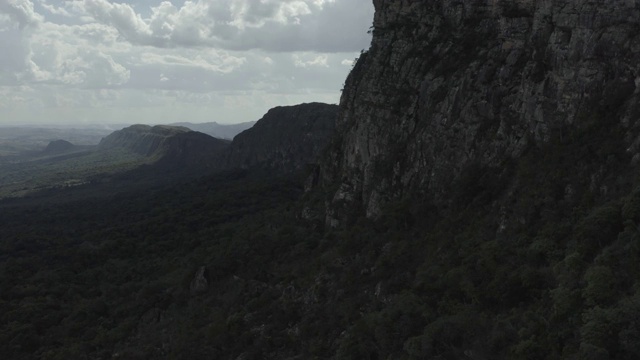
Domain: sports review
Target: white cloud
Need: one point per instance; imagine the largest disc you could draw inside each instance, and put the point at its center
(347, 62)
(314, 60)
(272, 25)
(20, 12)
(211, 60)
(56, 10)
(121, 16)
(224, 60)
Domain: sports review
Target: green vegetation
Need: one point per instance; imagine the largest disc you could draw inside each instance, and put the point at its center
(43, 172)
(537, 259)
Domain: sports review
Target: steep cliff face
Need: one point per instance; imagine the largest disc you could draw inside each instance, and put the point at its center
(286, 139)
(449, 85)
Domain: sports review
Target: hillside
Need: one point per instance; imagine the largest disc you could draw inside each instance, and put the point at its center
(286, 138)
(142, 139)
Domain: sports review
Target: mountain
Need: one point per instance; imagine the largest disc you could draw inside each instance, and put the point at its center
(58, 146)
(193, 149)
(286, 138)
(141, 139)
(143, 156)
(220, 131)
(489, 150)
(170, 144)
(449, 87)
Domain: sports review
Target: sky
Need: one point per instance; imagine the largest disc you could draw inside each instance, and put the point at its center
(97, 62)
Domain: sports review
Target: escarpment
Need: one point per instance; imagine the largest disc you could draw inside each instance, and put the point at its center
(286, 138)
(449, 86)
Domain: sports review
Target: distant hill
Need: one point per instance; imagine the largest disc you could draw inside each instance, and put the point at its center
(167, 144)
(285, 139)
(59, 146)
(141, 139)
(220, 131)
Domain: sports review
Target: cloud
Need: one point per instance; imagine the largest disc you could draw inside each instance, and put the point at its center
(20, 12)
(315, 60)
(120, 16)
(347, 62)
(70, 55)
(212, 60)
(148, 60)
(56, 10)
(270, 25)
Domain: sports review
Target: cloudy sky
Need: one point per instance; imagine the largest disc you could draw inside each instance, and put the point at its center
(153, 61)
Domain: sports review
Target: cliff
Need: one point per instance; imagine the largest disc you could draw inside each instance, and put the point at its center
(449, 86)
(286, 138)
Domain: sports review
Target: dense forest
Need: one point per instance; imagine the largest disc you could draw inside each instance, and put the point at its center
(229, 266)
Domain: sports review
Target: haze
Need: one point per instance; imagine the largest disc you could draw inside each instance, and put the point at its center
(98, 62)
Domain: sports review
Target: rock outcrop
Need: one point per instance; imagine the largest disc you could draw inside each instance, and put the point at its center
(286, 139)
(448, 85)
(199, 284)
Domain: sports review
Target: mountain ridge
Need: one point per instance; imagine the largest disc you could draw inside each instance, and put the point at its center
(217, 130)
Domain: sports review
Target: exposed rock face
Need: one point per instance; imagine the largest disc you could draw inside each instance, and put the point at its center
(285, 139)
(199, 284)
(451, 84)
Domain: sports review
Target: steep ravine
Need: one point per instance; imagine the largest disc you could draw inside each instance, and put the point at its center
(452, 85)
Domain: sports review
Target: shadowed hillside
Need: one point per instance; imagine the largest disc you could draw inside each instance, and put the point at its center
(287, 138)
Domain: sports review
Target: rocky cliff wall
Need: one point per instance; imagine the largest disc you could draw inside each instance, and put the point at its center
(451, 84)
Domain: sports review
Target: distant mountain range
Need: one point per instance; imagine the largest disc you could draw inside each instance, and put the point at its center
(220, 131)
(284, 140)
